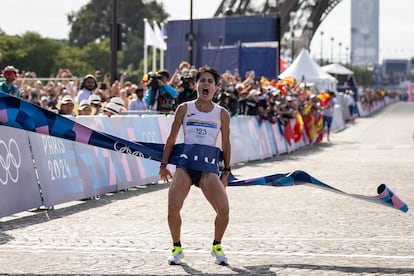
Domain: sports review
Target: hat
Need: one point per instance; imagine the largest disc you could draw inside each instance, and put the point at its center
(44, 98)
(239, 86)
(253, 92)
(67, 99)
(112, 108)
(83, 104)
(94, 99)
(117, 100)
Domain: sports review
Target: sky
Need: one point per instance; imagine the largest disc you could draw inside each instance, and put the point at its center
(49, 19)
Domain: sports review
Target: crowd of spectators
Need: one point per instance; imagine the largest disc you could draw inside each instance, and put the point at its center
(274, 100)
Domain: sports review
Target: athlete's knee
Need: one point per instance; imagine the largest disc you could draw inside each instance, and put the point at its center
(174, 207)
(223, 210)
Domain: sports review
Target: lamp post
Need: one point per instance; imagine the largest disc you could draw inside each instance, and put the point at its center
(190, 46)
(346, 54)
(278, 36)
(339, 52)
(332, 48)
(321, 48)
(292, 30)
(114, 41)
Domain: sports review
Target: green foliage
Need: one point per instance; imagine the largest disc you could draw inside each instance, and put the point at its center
(30, 52)
(93, 23)
(89, 45)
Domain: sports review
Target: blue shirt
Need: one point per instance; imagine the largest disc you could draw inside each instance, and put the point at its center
(9, 89)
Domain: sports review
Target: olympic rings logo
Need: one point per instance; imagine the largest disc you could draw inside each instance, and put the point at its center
(125, 149)
(10, 161)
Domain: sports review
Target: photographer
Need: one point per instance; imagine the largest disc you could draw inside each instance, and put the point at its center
(186, 90)
(160, 95)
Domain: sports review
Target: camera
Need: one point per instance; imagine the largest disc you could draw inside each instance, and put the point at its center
(186, 81)
(153, 81)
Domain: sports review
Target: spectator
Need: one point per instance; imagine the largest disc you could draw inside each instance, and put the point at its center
(44, 102)
(328, 112)
(123, 94)
(243, 101)
(88, 86)
(66, 106)
(84, 108)
(138, 102)
(111, 109)
(233, 103)
(253, 103)
(186, 89)
(183, 68)
(160, 95)
(8, 86)
(96, 104)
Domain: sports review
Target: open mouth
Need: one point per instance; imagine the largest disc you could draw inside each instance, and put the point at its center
(205, 91)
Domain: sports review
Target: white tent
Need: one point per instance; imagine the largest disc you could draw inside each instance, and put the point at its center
(336, 69)
(305, 67)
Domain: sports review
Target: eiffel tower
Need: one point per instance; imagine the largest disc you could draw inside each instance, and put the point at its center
(299, 19)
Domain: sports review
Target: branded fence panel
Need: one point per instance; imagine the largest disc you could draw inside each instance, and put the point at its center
(251, 143)
(146, 129)
(279, 138)
(239, 143)
(134, 167)
(19, 189)
(271, 137)
(94, 158)
(57, 169)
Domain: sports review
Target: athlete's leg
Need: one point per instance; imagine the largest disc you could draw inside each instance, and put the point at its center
(178, 191)
(215, 193)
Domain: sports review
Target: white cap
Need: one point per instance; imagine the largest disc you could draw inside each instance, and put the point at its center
(83, 104)
(117, 100)
(253, 92)
(96, 99)
(112, 108)
(67, 99)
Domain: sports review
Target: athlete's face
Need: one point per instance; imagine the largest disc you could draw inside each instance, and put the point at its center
(206, 86)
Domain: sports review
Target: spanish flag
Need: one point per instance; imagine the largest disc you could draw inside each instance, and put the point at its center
(297, 129)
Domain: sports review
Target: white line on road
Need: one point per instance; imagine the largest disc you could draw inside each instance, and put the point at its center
(118, 250)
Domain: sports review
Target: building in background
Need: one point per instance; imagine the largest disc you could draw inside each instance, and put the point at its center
(365, 33)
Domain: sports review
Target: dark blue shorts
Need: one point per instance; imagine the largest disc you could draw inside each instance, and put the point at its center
(194, 175)
(327, 121)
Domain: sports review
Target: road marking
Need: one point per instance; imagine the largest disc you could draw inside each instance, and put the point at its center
(117, 250)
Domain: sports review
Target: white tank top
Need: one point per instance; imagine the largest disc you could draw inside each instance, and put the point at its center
(201, 127)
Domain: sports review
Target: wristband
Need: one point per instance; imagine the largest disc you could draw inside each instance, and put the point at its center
(163, 166)
(226, 169)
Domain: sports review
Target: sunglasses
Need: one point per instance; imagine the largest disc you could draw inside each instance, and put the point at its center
(10, 74)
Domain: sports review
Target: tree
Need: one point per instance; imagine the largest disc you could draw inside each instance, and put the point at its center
(92, 23)
(30, 52)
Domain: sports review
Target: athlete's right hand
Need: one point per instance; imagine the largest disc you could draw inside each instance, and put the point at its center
(165, 174)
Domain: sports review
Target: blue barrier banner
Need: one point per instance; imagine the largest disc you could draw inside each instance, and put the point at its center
(57, 169)
(19, 190)
(385, 195)
(20, 114)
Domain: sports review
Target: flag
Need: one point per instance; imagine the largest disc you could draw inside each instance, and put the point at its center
(288, 132)
(159, 37)
(298, 127)
(149, 35)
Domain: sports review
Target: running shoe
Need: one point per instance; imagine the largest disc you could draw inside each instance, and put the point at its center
(176, 255)
(217, 252)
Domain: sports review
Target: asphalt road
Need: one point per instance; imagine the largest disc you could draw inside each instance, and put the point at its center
(273, 231)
